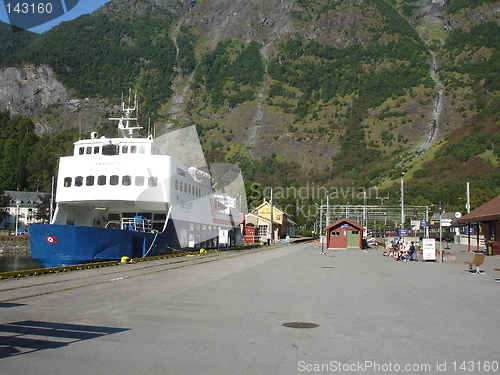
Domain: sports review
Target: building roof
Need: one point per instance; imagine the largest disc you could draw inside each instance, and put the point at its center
(487, 212)
(268, 204)
(444, 215)
(340, 222)
(25, 198)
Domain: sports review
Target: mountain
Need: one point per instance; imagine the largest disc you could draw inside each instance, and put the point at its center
(336, 93)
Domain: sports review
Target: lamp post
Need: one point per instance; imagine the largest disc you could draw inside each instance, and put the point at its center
(440, 231)
(17, 215)
(402, 204)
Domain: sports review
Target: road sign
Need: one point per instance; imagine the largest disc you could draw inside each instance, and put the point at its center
(446, 222)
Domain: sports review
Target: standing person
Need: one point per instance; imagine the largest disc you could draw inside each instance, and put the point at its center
(413, 252)
(268, 239)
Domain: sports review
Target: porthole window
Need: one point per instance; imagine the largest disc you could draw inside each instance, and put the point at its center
(67, 181)
(113, 180)
(139, 180)
(78, 181)
(101, 180)
(90, 181)
(126, 180)
(152, 181)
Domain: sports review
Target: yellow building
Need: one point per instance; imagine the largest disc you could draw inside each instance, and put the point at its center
(260, 218)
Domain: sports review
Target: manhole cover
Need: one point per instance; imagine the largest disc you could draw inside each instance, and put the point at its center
(300, 325)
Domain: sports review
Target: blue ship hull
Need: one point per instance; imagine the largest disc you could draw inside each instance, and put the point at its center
(63, 245)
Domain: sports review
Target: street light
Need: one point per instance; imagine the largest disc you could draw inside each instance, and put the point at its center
(402, 204)
(18, 203)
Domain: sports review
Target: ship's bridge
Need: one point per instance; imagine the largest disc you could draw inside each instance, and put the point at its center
(115, 146)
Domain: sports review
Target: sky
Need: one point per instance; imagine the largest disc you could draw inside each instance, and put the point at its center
(83, 7)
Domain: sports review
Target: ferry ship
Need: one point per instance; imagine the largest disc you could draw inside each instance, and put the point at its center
(124, 197)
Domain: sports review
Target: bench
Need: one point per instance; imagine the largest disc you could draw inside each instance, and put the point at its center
(477, 261)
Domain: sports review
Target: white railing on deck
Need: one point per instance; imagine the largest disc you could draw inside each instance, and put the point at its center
(137, 224)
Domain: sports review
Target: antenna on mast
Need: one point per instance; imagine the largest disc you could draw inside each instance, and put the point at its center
(124, 125)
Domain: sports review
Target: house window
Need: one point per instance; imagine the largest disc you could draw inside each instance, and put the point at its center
(335, 234)
(262, 230)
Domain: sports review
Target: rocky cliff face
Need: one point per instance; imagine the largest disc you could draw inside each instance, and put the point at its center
(28, 90)
(34, 91)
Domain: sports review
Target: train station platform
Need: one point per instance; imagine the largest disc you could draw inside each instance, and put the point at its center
(275, 310)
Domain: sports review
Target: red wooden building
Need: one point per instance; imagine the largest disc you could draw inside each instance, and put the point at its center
(488, 215)
(344, 234)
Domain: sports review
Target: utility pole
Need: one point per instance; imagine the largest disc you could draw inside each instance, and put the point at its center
(272, 209)
(402, 205)
(467, 205)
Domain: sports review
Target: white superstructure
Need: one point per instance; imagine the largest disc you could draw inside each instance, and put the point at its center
(108, 181)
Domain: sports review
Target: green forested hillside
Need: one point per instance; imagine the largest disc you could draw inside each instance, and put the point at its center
(346, 95)
(99, 56)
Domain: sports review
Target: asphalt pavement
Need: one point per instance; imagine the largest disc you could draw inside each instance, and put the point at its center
(362, 313)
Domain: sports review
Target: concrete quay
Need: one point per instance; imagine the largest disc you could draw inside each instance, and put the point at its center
(224, 314)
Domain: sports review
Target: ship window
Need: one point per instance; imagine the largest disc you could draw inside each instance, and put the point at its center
(126, 180)
(110, 150)
(81, 150)
(90, 181)
(88, 151)
(133, 149)
(78, 181)
(160, 217)
(101, 180)
(113, 180)
(181, 172)
(142, 150)
(139, 180)
(67, 181)
(125, 149)
(96, 149)
(181, 187)
(176, 184)
(152, 181)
